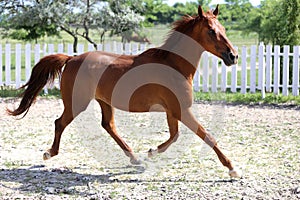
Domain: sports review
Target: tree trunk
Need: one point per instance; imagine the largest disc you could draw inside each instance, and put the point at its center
(86, 36)
(75, 42)
(102, 37)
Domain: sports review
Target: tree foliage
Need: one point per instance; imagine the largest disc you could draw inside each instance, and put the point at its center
(276, 22)
(235, 13)
(24, 21)
(34, 19)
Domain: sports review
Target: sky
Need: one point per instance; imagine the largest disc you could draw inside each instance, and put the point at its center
(172, 2)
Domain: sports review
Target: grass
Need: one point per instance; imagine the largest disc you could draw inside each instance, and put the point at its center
(13, 164)
(156, 34)
(248, 98)
(227, 97)
(11, 92)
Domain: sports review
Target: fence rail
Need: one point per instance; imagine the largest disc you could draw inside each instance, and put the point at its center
(260, 68)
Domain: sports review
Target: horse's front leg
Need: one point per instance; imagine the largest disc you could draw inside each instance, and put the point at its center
(189, 120)
(173, 129)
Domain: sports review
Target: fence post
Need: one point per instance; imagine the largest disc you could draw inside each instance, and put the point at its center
(70, 50)
(99, 47)
(143, 47)
(259, 76)
(244, 71)
(205, 74)
(18, 65)
(276, 69)
(119, 49)
(296, 71)
(7, 64)
(268, 68)
(45, 53)
(196, 82)
(253, 69)
(107, 47)
(134, 49)
(234, 77)
(91, 47)
(285, 73)
(60, 48)
(51, 49)
(27, 61)
(262, 70)
(36, 53)
(1, 71)
(224, 78)
(80, 49)
(127, 49)
(214, 75)
(114, 46)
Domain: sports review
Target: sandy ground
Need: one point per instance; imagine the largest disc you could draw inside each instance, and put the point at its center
(263, 141)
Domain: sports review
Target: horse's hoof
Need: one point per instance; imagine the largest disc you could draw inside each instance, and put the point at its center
(152, 153)
(135, 161)
(235, 173)
(46, 155)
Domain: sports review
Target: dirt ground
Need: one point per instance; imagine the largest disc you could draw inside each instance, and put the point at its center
(263, 141)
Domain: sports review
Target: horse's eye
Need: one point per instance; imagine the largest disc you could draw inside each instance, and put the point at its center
(211, 32)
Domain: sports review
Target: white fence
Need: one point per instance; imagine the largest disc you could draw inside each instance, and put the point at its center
(259, 67)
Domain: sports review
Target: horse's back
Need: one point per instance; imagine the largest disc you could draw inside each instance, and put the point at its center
(83, 73)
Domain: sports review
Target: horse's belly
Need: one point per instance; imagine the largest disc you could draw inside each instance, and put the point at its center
(136, 104)
(152, 98)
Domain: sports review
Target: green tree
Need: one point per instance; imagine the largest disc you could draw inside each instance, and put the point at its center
(283, 23)
(235, 13)
(281, 26)
(276, 22)
(24, 22)
(36, 18)
(204, 4)
(120, 16)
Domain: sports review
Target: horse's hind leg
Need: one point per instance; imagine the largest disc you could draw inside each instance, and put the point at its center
(60, 124)
(173, 129)
(109, 125)
(70, 112)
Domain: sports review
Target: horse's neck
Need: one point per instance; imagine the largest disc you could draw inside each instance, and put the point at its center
(185, 51)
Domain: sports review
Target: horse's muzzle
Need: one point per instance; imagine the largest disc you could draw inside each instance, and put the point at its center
(230, 58)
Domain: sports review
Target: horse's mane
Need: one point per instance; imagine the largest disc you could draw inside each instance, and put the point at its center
(184, 25)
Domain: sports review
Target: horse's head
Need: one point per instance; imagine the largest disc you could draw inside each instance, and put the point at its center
(211, 35)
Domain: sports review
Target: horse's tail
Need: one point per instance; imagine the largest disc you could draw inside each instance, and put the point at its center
(43, 72)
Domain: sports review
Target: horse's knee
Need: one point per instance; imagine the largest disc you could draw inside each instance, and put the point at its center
(63, 121)
(106, 125)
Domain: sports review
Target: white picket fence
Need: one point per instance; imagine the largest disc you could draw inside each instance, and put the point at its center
(260, 64)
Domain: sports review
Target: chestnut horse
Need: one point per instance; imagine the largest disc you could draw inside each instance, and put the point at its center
(159, 79)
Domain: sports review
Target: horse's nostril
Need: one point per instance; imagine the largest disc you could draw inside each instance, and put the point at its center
(232, 56)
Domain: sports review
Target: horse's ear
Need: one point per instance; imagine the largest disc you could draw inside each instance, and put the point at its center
(216, 11)
(200, 12)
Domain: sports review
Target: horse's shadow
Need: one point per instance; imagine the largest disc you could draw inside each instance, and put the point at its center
(38, 179)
